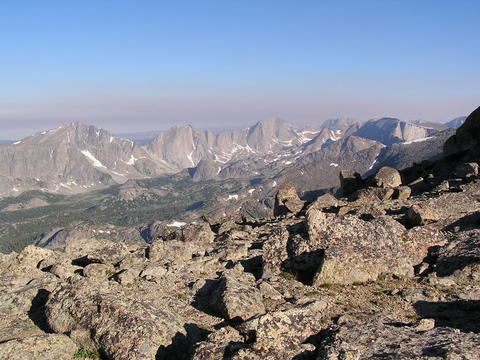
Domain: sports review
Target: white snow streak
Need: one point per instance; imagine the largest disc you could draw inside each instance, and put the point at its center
(92, 158)
(177, 224)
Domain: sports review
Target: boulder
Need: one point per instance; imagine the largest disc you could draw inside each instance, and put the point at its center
(387, 177)
(326, 201)
(373, 247)
(275, 252)
(236, 296)
(87, 251)
(371, 194)
(126, 276)
(170, 251)
(198, 232)
(287, 201)
(123, 326)
(219, 344)
(98, 271)
(64, 268)
(287, 327)
(153, 272)
(421, 214)
(402, 193)
(466, 170)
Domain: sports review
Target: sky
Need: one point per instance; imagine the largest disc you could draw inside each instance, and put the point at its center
(146, 65)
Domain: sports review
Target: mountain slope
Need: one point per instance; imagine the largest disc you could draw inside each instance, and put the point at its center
(73, 158)
(389, 131)
(79, 158)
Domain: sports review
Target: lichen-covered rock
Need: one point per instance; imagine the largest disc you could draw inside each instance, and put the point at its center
(422, 215)
(286, 328)
(287, 201)
(96, 251)
(198, 232)
(376, 337)
(153, 272)
(461, 257)
(275, 252)
(326, 201)
(126, 276)
(236, 296)
(172, 250)
(63, 268)
(98, 271)
(355, 250)
(40, 347)
(387, 177)
(446, 209)
(220, 344)
(123, 327)
(370, 195)
(26, 263)
(402, 192)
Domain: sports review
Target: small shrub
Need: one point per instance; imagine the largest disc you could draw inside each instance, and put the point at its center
(182, 297)
(288, 275)
(327, 285)
(85, 354)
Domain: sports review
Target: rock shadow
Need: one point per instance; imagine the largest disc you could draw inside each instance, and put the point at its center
(305, 266)
(459, 314)
(202, 299)
(468, 222)
(36, 313)
(183, 345)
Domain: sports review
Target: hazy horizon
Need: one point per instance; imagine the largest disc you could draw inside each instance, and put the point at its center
(147, 65)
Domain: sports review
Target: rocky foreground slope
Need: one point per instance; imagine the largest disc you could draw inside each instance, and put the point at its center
(384, 271)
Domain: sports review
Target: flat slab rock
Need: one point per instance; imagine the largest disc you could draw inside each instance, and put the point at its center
(40, 347)
(379, 338)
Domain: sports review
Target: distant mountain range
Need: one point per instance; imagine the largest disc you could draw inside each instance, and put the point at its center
(78, 158)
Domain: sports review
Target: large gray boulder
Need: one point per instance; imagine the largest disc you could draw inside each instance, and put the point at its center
(123, 327)
(387, 177)
(287, 201)
(236, 296)
(275, 252)
(356, 250)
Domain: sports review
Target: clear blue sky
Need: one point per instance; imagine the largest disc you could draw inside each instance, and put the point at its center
(139, 65)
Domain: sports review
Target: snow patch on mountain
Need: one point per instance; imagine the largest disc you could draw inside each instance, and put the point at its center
(93, 159)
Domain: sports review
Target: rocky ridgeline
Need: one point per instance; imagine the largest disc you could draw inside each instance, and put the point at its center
(387, 268)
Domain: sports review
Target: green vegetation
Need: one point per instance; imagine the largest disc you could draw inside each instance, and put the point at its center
(86, 354)
(171, 196)
(182, 297)
(288, 275)
(326, 286)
